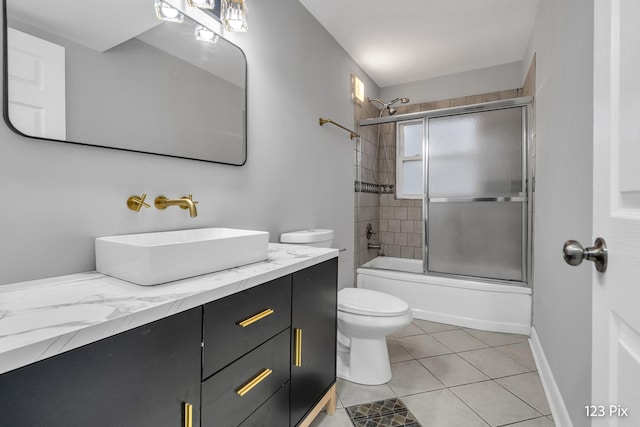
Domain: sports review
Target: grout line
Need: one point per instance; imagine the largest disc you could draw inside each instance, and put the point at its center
(468, 406)
(521, 399)
(450, 389)
(517, 422)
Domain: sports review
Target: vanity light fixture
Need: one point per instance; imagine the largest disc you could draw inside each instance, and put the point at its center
(204, 34)
(165, 12)
(357, 89)
(202, 4)
(233, 14)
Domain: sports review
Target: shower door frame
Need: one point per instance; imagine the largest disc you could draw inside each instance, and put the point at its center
(528, 180)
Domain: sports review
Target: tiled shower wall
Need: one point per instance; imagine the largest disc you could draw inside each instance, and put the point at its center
(366, 195)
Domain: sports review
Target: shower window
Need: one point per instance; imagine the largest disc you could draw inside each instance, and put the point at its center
(409, 151)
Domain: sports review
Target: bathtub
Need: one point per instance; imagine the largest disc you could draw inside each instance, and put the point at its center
(496, 306)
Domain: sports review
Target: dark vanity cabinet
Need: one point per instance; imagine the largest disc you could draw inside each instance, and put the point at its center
(142, 377)
(245, 357)
(287, 347)
(261, 357)
(313, 322)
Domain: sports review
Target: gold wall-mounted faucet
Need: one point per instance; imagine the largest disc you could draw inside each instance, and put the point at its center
(136, 203)
(185, 202)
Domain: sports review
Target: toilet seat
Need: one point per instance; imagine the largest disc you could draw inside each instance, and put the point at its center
(370, 303)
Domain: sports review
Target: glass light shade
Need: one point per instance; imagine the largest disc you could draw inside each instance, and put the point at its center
(233, 15)
(202, 4)
(164, 12)
(205, 35)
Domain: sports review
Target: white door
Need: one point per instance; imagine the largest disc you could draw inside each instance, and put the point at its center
(36, 71)
(616, 216)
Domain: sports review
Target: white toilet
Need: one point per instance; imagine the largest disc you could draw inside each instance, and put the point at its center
(365, 318)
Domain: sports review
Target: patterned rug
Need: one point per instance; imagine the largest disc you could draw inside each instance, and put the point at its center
(384, 413)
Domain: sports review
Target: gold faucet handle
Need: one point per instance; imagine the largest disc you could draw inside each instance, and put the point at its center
(190, 197)
(136, 203)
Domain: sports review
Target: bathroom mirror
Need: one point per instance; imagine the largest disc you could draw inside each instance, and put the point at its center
(109, 73)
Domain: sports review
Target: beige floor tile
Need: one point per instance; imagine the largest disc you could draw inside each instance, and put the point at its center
(408, 330)
(353, 394)
(527, 387)
(493, 363)
(442, 408)
(396, 352)
(420, 346)
(520, 353)
(514, 394)
(494, 404)
(536, 422)
(453, 370)
(495, 338)
(459, 340)
(339, 419)
(430, 327)
(411, 377)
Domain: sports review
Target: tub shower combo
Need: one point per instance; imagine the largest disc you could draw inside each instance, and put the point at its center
(468, 169)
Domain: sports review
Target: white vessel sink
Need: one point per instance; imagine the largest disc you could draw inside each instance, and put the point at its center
(153, 258)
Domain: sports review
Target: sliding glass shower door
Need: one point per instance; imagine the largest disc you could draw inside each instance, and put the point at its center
(476, 204)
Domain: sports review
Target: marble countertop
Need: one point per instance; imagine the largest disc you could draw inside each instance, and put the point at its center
(42, 318)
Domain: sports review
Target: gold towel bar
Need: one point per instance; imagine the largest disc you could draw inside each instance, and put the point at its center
(323, 121)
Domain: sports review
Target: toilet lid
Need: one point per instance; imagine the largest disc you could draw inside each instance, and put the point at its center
(368, 302)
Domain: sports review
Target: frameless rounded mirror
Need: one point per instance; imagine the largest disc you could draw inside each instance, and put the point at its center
(109, 73)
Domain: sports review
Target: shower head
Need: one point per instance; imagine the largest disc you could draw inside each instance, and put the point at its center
(393, 101)
(387, 105)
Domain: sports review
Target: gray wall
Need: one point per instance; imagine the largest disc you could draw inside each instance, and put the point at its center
(473, 82)
(563, 43)
(298, 174)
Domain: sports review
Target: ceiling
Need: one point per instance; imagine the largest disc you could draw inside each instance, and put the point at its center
(403, 41)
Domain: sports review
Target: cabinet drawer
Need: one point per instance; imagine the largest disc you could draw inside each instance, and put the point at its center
(274, 412)
(225, 339)
(222, 404)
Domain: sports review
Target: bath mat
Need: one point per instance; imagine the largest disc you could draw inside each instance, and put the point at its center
(383, 413)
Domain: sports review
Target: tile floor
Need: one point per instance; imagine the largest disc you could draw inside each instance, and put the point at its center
(455, 377)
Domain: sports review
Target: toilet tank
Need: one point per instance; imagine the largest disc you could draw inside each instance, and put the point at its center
(314, 237)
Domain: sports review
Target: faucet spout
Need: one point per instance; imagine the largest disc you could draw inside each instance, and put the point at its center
(184, 202)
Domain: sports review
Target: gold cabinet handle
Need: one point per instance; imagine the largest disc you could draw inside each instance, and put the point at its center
(298, 347)
(188, 415)
(254, 382)
(256, 317)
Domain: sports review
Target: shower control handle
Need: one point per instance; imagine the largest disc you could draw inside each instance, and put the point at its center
(370, 232)
(573, 253)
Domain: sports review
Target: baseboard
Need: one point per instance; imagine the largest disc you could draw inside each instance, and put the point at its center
(558, 408)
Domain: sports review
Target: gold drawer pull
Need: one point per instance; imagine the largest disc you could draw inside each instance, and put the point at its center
(256, 317)
(254, 382)
(298, 355)
(188, 415)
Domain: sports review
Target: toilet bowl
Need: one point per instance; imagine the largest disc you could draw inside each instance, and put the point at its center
(365, 318)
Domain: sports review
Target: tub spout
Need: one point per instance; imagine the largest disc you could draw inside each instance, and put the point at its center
(374, 246)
